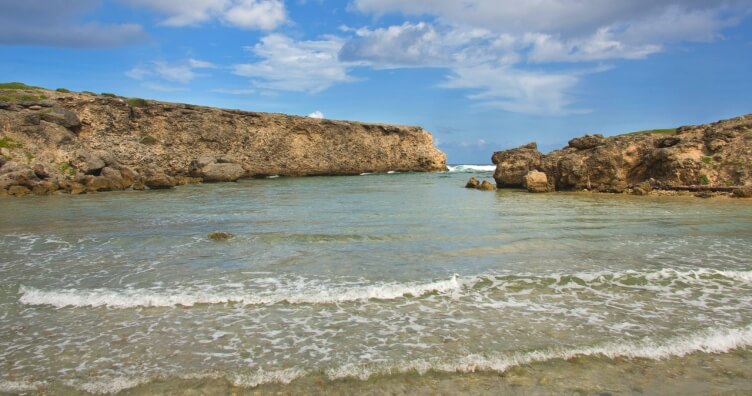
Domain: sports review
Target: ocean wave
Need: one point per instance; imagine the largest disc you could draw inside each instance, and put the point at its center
(707, 341)
(261, 376)
(471, 168)
(131, 298)
(311, 292)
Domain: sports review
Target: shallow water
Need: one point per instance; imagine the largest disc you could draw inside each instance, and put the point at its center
(380, 282)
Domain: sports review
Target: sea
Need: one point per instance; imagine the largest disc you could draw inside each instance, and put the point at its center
(394, 283)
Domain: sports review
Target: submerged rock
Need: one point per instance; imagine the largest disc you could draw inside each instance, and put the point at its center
(472, 183)
(220, 236)
(485, 185)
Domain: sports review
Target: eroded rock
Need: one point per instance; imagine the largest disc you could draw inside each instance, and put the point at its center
(536, 182)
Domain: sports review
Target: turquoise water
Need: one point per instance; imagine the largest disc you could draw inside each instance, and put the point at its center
(360, 279)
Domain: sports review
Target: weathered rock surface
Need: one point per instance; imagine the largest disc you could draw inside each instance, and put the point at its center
(535, 182)
(712, 157)
(83, 143)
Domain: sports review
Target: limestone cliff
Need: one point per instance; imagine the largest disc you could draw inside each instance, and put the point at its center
(84, 142)
(712, 157)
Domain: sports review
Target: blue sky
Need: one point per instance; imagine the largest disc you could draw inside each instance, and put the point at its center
(481, 75)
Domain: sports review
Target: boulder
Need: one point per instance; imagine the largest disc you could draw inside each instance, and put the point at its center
(87, 162)
(587, 142)
(62, 117)
(40, 170)
(472, 183)
(18, 191)
(486, 186)
(45, 187)
(216, 169)
(743, 192)
(220, 236)
(512, 165)
(158, 181)
(536, 182)
(22, 176)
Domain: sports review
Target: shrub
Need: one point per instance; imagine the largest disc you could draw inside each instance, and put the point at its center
(109, 95)
(66, 169)
(63, 90)
(137, 102)
(704, 180)
(707, 160)
(6, 142)
(89, 93)
(148, 140)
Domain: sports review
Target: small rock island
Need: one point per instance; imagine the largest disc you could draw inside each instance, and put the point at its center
(704, 159)
(62, 141)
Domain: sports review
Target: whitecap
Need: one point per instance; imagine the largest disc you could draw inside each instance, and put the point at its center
(471, 168)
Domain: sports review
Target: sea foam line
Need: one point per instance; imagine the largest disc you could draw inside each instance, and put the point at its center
(708, 341)
(131, 298)
(471, 168)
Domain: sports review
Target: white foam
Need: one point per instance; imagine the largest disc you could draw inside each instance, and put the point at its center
(319, 294)
(471, 168)
(110, 385)
(20, 386)
(261, 376)
(708, 341)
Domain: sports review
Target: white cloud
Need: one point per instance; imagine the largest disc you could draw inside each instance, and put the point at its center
(181, 73)
(516, 90)
(316, 114)
(564, 17)
(301, 66)
(59, 24)
(244, 14)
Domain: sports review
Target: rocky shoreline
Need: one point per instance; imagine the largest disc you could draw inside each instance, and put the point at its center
(704, 160)
(64, 142)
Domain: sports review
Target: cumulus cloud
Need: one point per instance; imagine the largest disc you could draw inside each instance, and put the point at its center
(244, 14)
(59, 24)
(502, 51)
(316, 114)
(181, 73)
(292, 65)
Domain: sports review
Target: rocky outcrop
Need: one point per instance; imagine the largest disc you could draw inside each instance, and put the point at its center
(84, 143)
(484, 185)
(535, 182)
(712, 157)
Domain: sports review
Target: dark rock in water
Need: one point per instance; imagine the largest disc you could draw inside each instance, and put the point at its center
(220, 236)
(587, 142)
(472, 183)
(486, 186)
(743, 192)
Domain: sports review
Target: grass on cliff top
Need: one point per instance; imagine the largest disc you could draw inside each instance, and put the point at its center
(667, 131)
(16, 85)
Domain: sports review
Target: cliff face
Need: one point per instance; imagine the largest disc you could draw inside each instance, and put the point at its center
(73, 142)
(715, 156)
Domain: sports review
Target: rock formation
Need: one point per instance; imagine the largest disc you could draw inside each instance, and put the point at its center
(77, 142)
(712, 157)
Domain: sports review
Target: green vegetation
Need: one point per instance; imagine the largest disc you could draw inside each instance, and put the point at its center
(89, 93)
(63, 90)
(667, 131)
(66, 169)
(21, 98)
(109, 95)
(16, 86)
(148, 140)
(6, 142)
(29, 156)
(704, 180)
(137, 102)
(707, 160)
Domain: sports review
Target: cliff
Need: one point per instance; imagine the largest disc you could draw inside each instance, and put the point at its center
(81, 142)
(712, 157)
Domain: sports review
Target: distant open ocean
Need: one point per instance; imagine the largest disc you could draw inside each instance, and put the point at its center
(372, 284)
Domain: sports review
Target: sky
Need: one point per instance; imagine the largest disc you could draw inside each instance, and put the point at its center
(481, 75)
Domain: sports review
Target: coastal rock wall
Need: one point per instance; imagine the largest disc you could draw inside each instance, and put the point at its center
(75, 139)
(715, 156)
